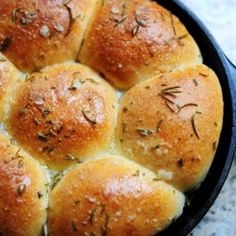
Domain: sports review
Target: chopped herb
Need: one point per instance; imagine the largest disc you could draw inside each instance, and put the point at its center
(5, 44)
(21, 189)
(214, 145)
(74, 226)
(37, 121)
(70, 157)
(42, 137)
(174, 89)
(140, 21)
(156, 179)
(77, 202)
(72, 19)
(93, 81)
(14, 14)
(159, 125)
(17, 153)
(180, 162)
(92, 216)
(156, 147)
(202, 74)
(124, 127)
(188, 105)
(145, 132)
(120, 20)
(137, 173)
(172, 24)
(183, 36)
(195, 82)
(105, 226)
(188, 201)
(45, 230)
(75, 84)
(89, 116)
(147, 87)
(12, 141)
(2, 60)
(172, 106)
(125, 109)
(39, 194)
(23, 110)
(20, 164)
(194, 125)
(60, 28)
(45, 112)
(56, 178)
(135, 29)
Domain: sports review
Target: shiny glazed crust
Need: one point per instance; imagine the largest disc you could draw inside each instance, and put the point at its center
(68, 113)
(35, 34)
(171, 124)
(133, 40)
(23, 195)
(108, 176)
(112, 196)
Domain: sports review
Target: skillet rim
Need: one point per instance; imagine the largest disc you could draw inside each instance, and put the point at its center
(203, 198)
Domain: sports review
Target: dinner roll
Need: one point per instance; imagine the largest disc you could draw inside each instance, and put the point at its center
(34, 34)
(8, 78)
(23, 195)
(171, 124)
(63, 114)
(129, 41)
(112, 196)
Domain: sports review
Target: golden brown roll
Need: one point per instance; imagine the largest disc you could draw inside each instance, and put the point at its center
(23, 195)
(8, 78)
(129, 41)
(171, 124)
(34, 34)
(112, 196)
(63, 114)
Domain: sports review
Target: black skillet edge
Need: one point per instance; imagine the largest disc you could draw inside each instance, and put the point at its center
(204, 197)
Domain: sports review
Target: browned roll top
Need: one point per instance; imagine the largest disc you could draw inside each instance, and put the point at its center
(23, 195)
(34, 34)
(134, 40)
(68, 114)
(112, 196)
(171, 124)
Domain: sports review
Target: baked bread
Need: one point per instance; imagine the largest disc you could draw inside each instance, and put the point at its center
(35, 34)
(109, 160)
(170, 135)
(112, 196)
(134, 40)
(23, 195)
(68, 113)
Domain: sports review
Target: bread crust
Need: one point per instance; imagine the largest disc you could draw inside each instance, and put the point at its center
(112, 196)
(171, 124)
(23, 195)
(133, 40)
(68, 113)
(35, 34)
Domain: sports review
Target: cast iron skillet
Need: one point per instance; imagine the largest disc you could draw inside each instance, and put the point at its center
(203, 198)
